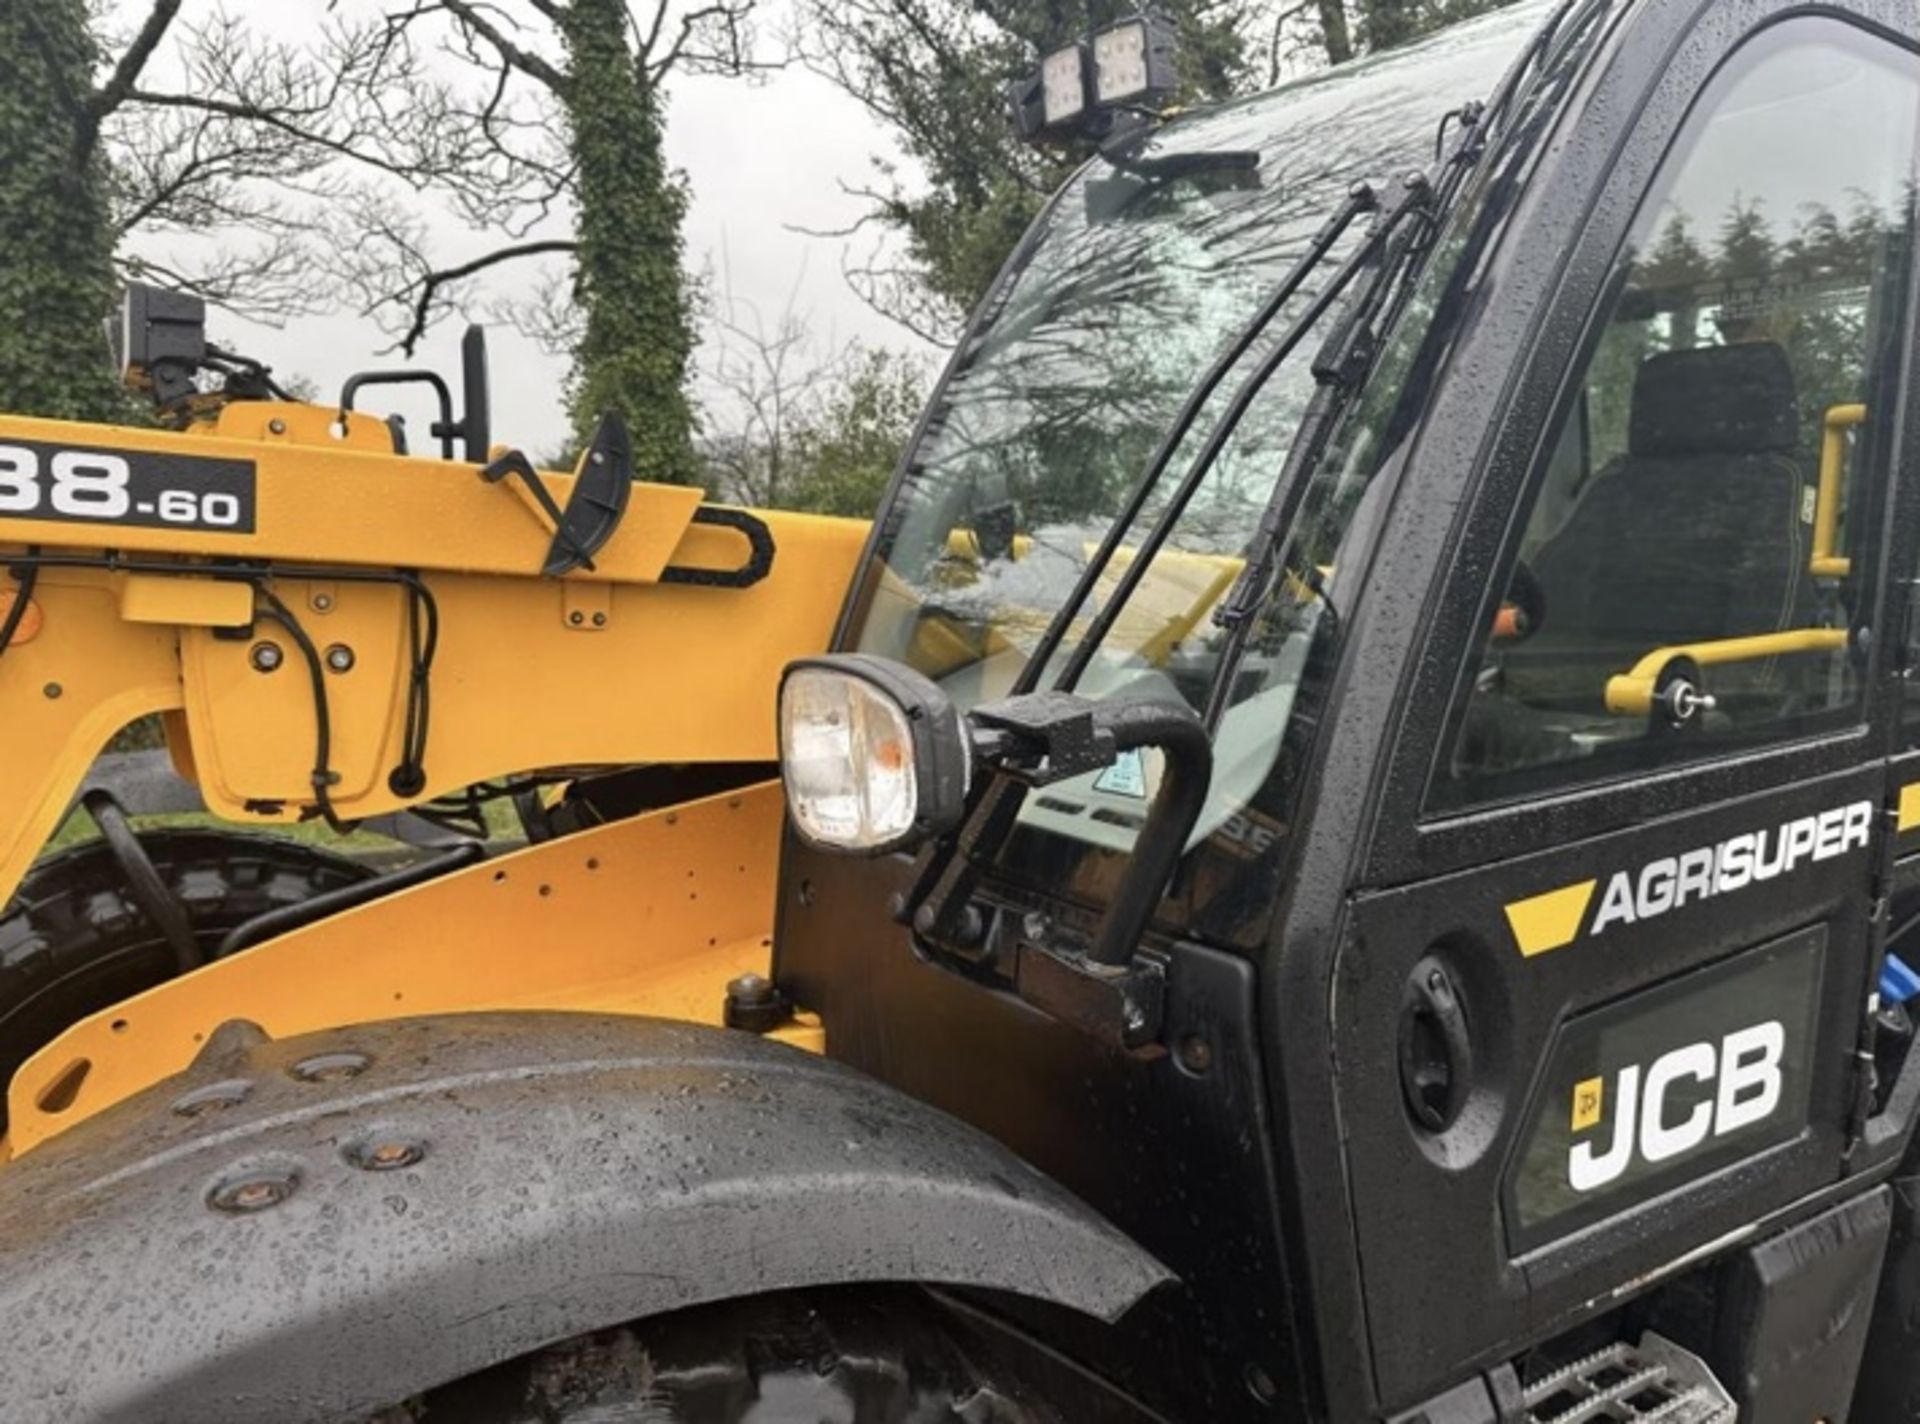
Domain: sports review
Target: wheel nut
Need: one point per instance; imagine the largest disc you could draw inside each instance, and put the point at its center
(215, 1097)
(265, 657)
(386, 1155)
(340, 658)
(251, 1193)
(753, 1003)
(331, 1067)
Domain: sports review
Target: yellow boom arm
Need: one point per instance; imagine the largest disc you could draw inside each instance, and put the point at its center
(370, 591)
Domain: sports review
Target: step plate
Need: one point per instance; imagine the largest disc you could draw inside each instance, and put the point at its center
(1654, 1382)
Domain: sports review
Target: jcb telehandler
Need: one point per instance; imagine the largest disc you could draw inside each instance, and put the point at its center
(1352, 854)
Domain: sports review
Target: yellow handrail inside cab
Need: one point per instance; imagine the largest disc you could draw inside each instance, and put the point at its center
(1826, 504)
(1631, 693)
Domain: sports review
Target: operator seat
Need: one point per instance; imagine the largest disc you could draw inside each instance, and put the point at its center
(1700, 531)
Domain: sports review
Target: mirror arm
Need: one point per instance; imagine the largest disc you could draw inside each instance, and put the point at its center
(1181, 737)
(1046, 737)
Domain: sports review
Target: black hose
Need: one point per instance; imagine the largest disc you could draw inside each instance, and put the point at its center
(292, 917)
(323, 776)
(24, 580)
(144, 884)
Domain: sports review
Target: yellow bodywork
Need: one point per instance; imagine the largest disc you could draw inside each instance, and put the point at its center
(604, 667)
(651, 915)
(613, 666)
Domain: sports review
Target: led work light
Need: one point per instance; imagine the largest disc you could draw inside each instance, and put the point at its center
(1078, 88)
(1063, 85)
(1133, 60)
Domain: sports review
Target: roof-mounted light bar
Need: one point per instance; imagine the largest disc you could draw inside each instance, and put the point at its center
(1079, 87)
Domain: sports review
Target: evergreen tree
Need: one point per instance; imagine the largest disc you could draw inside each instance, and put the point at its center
(601, 68)
(637, 336)
(935, 73)
(56, 245)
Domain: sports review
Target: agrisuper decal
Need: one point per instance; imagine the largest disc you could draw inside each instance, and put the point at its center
(1591, 908)
(1666, 1086)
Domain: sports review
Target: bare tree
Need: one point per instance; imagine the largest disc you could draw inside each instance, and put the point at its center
(796, 422)
(565, 100)
(767, 381)
(133, 132)
(206, 126)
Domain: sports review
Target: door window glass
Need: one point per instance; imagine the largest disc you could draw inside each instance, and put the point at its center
(1692, 562)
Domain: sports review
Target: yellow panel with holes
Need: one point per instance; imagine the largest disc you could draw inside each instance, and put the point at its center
(646, 916)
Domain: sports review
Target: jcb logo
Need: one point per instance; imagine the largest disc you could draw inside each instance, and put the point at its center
(1735, 1084)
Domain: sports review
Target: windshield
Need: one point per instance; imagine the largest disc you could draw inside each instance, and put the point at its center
(1141, 273)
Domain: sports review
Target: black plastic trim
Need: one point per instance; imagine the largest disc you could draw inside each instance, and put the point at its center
(550, 1175)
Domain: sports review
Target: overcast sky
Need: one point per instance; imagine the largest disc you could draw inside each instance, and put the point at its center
(761, 159)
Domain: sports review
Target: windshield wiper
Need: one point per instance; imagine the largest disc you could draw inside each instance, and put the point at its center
(1339, 371)
(938, 902)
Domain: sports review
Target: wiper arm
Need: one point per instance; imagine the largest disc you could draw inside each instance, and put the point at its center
(1360, 200)
(1339, 371)
(1203, 463)
(936, 902)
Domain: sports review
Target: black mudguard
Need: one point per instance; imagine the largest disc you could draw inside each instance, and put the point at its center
(284, 1256)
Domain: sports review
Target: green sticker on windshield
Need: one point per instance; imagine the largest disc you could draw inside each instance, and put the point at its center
(1126, 777)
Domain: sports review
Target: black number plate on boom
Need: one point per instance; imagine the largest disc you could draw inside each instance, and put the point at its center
(125, 487)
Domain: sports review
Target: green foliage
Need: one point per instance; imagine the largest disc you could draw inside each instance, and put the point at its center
(56, 246)
(1806, 287)
(935, 72)
(824, 440)
(846, 453)
(1386, 24)
(633, 353)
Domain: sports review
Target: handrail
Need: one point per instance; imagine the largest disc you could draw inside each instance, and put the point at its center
(1826, 502)
(1631, 693)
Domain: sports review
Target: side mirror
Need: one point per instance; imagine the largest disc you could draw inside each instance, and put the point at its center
(876, 759)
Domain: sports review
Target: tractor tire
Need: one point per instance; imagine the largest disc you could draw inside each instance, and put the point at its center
(73, 942)
(884, 1355)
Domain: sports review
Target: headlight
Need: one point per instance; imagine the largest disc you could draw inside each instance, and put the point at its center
(1133, 60)
(1063, 84)
(873, 754)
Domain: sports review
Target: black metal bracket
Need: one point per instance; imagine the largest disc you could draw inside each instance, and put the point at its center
(1042, 738)
(603, 483)
(445, 429)
(473, 429)
(1123, 1006)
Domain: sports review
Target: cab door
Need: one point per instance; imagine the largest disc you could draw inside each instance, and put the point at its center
(1601, 1004)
